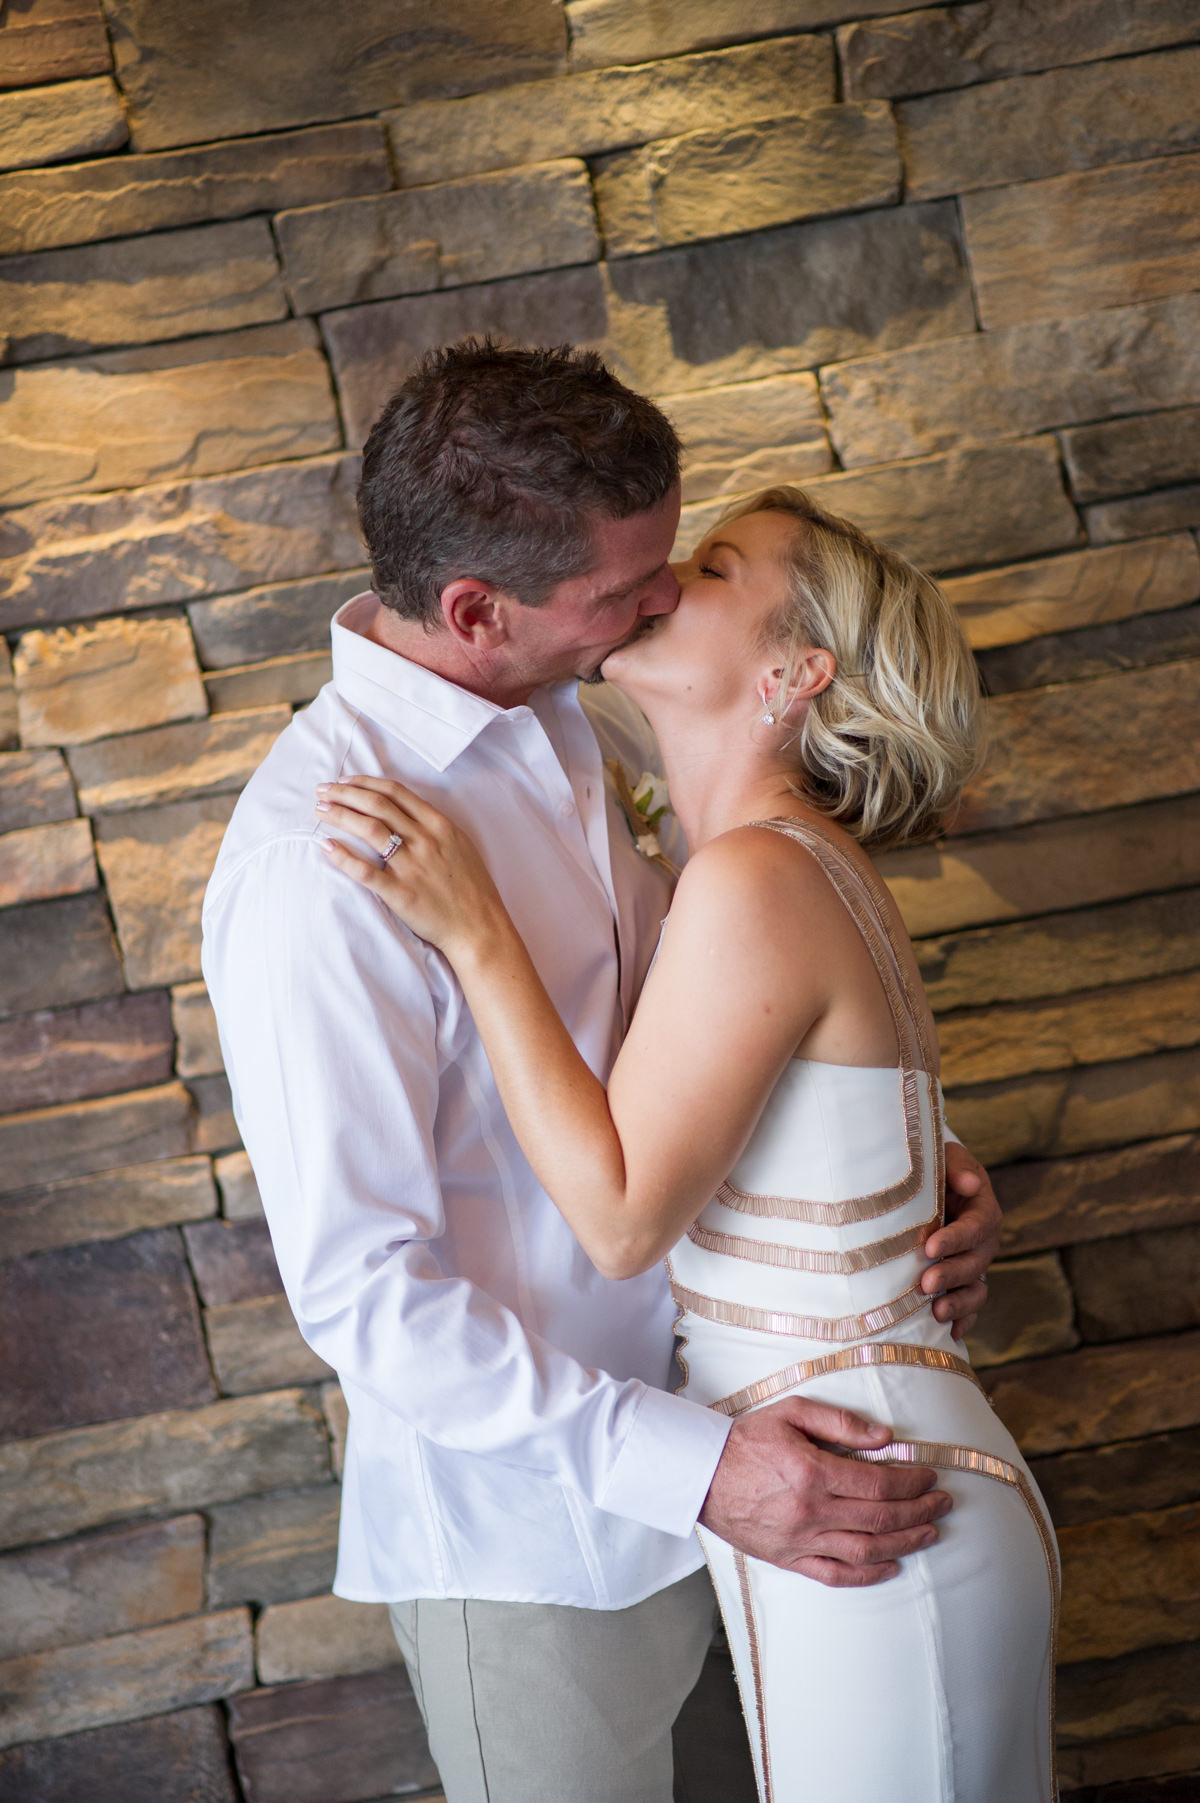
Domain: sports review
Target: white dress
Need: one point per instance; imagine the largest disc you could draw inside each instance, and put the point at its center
(801, 1277)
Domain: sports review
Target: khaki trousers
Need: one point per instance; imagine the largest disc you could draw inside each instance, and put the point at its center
(542, 1703)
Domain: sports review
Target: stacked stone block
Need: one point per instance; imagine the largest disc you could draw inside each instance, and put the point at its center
(940, 265)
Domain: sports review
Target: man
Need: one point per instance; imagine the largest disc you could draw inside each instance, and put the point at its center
(520, 1485)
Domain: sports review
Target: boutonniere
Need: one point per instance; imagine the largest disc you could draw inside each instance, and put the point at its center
(643, 803)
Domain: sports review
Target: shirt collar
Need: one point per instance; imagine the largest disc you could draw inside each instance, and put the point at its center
(433, 717)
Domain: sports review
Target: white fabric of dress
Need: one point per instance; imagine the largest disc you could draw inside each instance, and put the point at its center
(801, 1277)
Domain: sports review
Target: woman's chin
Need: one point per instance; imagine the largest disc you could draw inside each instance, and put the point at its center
(621, 667)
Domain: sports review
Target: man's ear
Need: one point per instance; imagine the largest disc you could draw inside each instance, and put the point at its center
(475, 612)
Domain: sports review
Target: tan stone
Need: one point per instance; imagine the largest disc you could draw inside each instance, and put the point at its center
(632, 31)
(55, 952)
(240, 1200)
(43, 209)
(1133, 454)
(1046, 867)
(105, 1205)
(53, 40)
(1127, 1479)
(1080, 588)
(1028, 1312)
(1074, 243)
(293, 679)
(280, 618)
(1135, 1760)
(232, 1261)
(337, 1417)
(48, 1145)
(1130, 1583)
(1038, 125)
(175, 763)
(1159, 1687)
(198, 1049)
(156, 862)
(269, 1549)
(214, 1128)
(1084, 746)
(107, 1584)
(8, 699)
(592, 114)
(1008, 383)
(708, 184)
(77, 683)
(1140, 1187)
(1100, 1393)
(952, 46)
(985, 1045)
(256, 1345)
(973, 506)
(64, 1483)
(1137, 644)
(299, 61)
(128, 417)
(38, 862)
(70, 559)
(70, 1054)
(50, 125)
(1061, 953)
(126, 1676)
(1166, 511)
(1140, 1283)
(210, 278)
(303, 1743)
(179, 1758)
(478, 229)
(1080, 1111)
(323, 1637)
(35, 790)
(749, 433)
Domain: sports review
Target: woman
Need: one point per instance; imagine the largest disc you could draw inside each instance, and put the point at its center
(772, 1127)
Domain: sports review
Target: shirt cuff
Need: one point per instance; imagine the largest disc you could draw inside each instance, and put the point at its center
(663, 1472)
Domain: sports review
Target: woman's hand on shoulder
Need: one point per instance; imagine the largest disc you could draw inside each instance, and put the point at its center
(426, 869)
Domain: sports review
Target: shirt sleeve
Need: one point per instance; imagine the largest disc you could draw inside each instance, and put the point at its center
(334, 1022)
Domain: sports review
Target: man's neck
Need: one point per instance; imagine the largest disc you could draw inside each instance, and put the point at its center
(438, 651)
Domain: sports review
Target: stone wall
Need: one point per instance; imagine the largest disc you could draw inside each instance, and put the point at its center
(944, 267)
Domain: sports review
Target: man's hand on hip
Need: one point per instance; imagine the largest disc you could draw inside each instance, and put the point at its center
(780, 1495)
(966, 1245)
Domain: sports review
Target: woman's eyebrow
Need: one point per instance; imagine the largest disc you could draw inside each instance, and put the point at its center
(725, 544)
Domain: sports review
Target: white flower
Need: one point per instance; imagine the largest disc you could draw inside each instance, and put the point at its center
(650, 794)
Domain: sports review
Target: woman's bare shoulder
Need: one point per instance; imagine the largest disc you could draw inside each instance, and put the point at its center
(763, 884)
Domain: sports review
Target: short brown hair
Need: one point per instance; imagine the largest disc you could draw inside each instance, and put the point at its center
(492, 461)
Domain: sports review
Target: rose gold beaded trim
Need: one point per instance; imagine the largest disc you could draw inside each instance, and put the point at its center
(800, 1258)
(743, 1576)
(885, 1352)
(801, 1327)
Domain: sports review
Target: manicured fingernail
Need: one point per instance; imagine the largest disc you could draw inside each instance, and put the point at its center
(325, 844)
(322, 807)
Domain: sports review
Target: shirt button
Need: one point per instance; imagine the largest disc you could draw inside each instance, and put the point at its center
(567, 809)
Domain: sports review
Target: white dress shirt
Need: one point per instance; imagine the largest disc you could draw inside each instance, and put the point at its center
(511, 1435)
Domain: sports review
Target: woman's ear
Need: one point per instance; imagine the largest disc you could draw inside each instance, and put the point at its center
(811, 675)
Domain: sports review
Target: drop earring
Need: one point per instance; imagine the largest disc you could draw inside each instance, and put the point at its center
(768, 718)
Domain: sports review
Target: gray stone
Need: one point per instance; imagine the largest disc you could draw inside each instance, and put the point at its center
(632, 31)
(256, 1345)
(1066, 1201)
(299, 62)
(268, 1549)
(106, 1205)
(337, 1418)
(94, 1049)
(323, 1637)
(293, 679)
(1038, 125)
(50, 125)
(240, 1200)
(748, 434)
(278, 619)
(1074, 656)
(44, 209)
(710, 183)
(8, 699)
(126, 1676)
(1127, 1479)
(1161, 1767)
(953, 46)
(107, 1584)
(180, 1758)
(1045, 867)
(332, 1740)
(592, 114)
(1028, 1312)
(127, 417)
(1075, 243)
(35, 790)
(1130, 1583)
(72, 559)
(174, 763)
(214, 1128)
(1008, 383)
(198, 1048)
(1084, 746)
(1134, 454)
(1138, 1283)
(232, 1260)
(156, 862)
(1156, 1688)
(1166, 511)
(49, 1145)
(1100, 1394)
(53, 40)
(1079, 589)
(76, 683)
(40, 862)
(55, 952)
(190, 1458)
(1153, 936)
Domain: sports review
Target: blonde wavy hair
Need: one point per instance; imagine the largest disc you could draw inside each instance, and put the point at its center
(887, 748)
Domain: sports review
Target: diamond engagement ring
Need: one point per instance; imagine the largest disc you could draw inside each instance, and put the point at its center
(391, 848)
